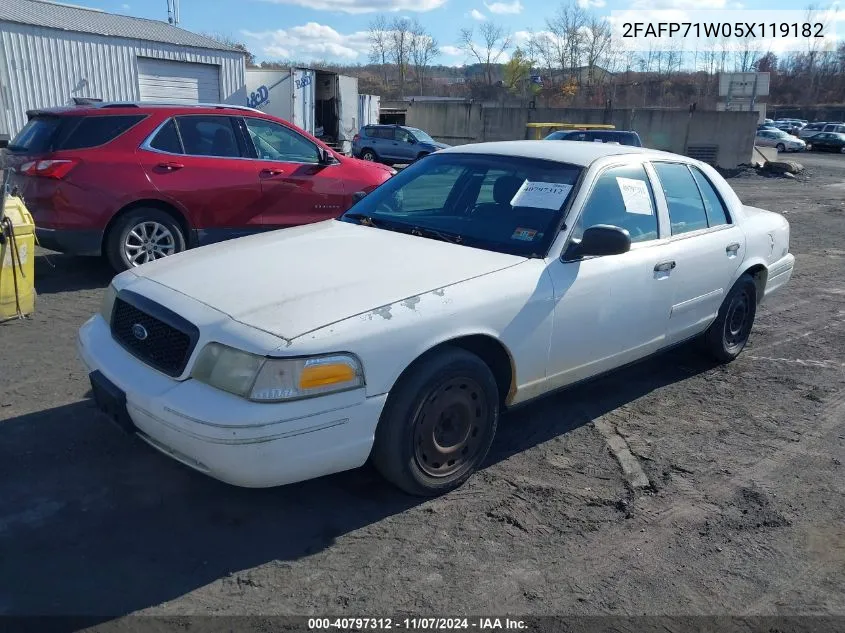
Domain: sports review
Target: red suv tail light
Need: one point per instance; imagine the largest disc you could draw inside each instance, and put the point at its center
(356, 138)
(58, 168)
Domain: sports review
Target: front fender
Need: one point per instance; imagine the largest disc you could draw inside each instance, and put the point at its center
(513, 306)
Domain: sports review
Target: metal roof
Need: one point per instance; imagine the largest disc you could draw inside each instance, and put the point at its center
(67, 17)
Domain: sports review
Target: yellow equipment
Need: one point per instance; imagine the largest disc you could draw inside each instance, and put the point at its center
(536, 128)
(17, 260)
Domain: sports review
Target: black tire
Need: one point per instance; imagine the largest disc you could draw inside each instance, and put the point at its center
(369, 155)
(172, 242)
(780, 147)
(430, 439)
(727, 336)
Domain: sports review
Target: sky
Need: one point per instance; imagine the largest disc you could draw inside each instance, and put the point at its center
(336, 30)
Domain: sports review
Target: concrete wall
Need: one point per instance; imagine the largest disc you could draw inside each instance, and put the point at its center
(732, 133)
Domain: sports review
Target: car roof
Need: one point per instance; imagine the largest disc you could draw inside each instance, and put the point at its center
(140, 107)
(571, 152)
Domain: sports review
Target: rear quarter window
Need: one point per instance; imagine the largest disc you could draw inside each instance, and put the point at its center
(93, 131)
(37, 135)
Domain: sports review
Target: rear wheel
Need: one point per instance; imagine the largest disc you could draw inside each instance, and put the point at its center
(781, 147)
(842, 150)
(369, 155)
(727, 336)
(143, 235)
(438, 423)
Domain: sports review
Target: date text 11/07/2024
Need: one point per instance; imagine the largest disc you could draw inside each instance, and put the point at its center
(416, 624)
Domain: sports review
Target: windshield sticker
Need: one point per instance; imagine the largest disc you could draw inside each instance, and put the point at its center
(541, 195)
(635, 195)
(526, 235)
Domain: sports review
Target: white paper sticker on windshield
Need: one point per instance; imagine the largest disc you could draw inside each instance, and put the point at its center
(541, 195)
(635, 195)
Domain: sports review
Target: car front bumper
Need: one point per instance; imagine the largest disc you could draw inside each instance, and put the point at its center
(239, 442)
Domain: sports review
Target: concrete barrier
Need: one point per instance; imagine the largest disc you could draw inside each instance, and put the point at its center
(725, 139)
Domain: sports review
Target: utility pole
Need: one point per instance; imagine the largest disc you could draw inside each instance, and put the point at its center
(173, 11)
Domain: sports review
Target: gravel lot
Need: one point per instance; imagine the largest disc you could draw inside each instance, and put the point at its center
(744, 513)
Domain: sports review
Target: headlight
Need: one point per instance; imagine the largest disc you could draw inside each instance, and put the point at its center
(107, 303)
(275, 379)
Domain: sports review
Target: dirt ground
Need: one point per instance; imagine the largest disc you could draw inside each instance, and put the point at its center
(744, 514)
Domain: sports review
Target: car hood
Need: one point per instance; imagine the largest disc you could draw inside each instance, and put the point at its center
(293, 281)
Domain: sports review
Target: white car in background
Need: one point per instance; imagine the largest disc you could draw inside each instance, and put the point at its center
(479, 278)
(779, 139)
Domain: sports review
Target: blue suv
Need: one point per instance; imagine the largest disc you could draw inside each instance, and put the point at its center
(393, 144)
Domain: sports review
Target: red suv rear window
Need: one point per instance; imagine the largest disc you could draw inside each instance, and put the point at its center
(46, 133)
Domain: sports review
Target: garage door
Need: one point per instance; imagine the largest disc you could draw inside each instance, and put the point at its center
(178, 82)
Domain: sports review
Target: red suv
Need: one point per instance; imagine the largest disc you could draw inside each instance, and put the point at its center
(137, 182)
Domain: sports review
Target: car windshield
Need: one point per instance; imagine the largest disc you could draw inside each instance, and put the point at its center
(507, 204)
(420, 135)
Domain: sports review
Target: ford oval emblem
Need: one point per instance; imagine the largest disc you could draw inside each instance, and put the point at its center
(139, 332)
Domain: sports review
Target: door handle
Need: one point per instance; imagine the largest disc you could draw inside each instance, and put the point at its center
(732, 248)
(268, 173)
(663, 267)
(170, 166)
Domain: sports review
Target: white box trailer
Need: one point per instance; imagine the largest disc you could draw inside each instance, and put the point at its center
(322, 103)
(369, 107)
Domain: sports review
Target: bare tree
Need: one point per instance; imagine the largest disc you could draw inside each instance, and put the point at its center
(568, 28)
(400, 48)
(380, 42)
(424, 48)
(541, 49)
(495, 40)
(596, 39)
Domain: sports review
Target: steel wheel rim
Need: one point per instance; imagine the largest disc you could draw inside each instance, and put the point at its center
(148, 241)
(737, 320)
(368, 156)
(450, 427)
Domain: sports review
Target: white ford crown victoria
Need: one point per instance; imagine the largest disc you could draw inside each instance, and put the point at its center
(478, 278)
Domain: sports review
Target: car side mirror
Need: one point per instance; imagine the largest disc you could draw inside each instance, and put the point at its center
(600, 240)
(358, 196)
(324, 156)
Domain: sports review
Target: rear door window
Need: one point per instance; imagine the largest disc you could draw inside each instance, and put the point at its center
(686, 207)
(209, 136)
(37, 135)
(717, 214)
(93, 131)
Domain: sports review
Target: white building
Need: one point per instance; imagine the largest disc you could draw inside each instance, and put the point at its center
(51, 53)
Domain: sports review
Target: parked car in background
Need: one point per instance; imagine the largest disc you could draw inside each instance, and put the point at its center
(790, 127)
(477, 279)
(811, 129)
(622, 137)
(828, 142)
(139, 182)
(393, 144)
(781, 140)
(837, 128)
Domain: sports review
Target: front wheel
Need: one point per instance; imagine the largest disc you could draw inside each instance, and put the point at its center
(728, 335)
(842, 150)
(780, 147)
(438, 423)
(143, 235)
